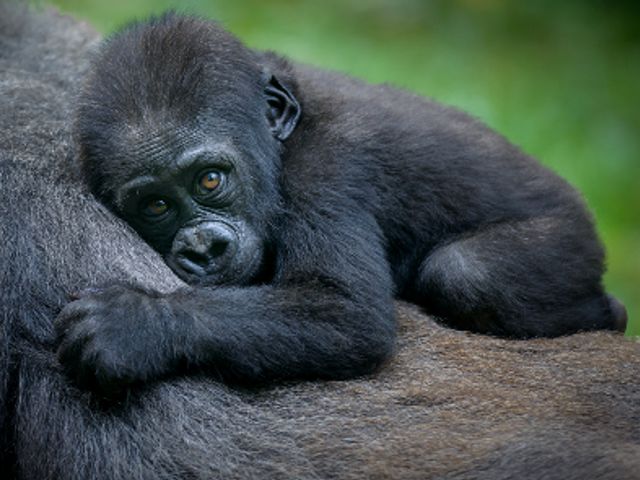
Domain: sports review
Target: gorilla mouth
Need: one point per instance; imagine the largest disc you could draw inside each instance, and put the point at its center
(238, 271)
(191, 264)
(189, 268)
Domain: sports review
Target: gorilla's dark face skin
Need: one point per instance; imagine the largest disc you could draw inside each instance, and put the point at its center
(194, 212)
(297, 203)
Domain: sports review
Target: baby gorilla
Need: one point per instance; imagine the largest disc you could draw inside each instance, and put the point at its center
(296, 203)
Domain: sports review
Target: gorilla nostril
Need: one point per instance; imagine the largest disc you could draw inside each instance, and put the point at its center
(195, 257)
(218, 248)
(205, 248)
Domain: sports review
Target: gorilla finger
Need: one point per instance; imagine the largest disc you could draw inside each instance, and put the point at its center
(74, 339)
(69, 355)
(72, 313)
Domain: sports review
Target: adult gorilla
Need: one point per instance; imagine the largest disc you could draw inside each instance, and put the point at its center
(451, 405)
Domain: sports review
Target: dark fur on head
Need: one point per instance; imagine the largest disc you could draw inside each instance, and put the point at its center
(178, 65)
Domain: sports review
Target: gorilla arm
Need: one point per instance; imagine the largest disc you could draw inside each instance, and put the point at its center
(311, 322)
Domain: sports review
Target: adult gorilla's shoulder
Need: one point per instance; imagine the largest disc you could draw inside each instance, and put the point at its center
(452, 405)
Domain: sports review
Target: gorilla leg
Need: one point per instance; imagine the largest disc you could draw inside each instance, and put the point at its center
(501, 279)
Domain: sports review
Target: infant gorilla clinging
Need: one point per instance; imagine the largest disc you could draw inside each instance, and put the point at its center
(297, 203)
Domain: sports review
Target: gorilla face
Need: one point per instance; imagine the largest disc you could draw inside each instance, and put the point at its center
(187, 149)
(195, 213)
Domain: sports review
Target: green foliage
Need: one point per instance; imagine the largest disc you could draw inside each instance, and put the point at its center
(560, 79)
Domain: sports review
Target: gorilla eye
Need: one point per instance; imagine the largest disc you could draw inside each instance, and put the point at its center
(155, 207)
(209, 181)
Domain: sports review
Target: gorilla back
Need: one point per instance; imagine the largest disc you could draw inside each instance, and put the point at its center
(310, 199)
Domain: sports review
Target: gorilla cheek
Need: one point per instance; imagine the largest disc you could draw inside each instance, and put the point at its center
(215, 252)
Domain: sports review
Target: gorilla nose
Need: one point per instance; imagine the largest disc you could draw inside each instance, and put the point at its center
(205, 247)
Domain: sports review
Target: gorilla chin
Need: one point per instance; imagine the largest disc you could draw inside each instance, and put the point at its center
(216, 253)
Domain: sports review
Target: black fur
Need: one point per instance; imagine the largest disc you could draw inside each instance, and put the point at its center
(320, 219)
(450, 405)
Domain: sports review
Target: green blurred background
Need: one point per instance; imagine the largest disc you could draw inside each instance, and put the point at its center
(560, 79)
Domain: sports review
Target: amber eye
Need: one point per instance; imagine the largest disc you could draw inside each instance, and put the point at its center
(209, 181)
(155, 207)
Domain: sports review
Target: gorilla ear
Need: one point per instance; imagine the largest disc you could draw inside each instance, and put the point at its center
(284, 110)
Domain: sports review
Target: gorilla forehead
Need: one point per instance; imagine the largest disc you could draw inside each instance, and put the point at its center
(144, 150)
(165, 152)
(177, 64)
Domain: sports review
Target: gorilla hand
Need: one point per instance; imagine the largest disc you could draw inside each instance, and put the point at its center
(105, 344)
